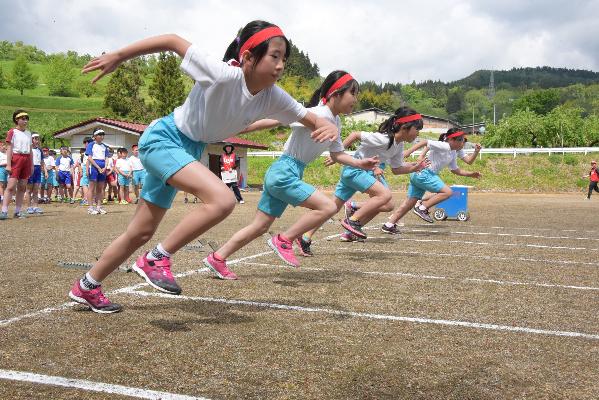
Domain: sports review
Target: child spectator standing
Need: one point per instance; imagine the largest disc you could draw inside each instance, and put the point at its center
(593, 179)
(3, 174)
(84, 184)
(64, 163)
(35, 180)
(111, 179)
(139, 172)
(123, 168)
(97, 157)
(48, 179)
(18, 163)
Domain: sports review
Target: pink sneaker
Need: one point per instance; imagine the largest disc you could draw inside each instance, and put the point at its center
(219, 267)
(157, 273)
(94, 299)
(284, 249)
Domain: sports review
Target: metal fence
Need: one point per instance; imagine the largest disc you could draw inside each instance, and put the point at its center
(511, 151)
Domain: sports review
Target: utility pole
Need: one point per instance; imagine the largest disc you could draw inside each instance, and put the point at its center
(491, 94)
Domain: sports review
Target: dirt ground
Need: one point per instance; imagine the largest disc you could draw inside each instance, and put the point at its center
(505, 305)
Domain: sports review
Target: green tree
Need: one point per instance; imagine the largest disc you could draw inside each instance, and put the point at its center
(123, 92)
(60, 76)
(2, 79)
(522, 129)
(167, 88)
(539, 101)
(563, 126)
(590, 128)
(455, 101)
(22, 78)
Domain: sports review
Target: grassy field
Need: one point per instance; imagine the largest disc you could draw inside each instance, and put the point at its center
(533, 173)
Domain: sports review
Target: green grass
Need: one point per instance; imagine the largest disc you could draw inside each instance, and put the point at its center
(532, 173)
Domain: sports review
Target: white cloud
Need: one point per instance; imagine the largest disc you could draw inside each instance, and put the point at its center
(381, 40)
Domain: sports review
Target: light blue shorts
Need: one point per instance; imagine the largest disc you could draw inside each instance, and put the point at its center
(139, 177)
(283, 185)
(424, 181)
(3, 175)
(84, 177)
(124, 181)
(355, 180)
(164, 150)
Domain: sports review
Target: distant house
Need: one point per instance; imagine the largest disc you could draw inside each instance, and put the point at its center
(431, 123)
(126, 134)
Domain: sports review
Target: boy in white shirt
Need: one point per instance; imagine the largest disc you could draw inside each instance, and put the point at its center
(124, 172)
(35, 180)
(139, 172)
(64, 163)
(3, 174)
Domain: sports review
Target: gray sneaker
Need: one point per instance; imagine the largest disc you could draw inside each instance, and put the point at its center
(20, 215)
(423, 214)
(3, 215)
(391, 231)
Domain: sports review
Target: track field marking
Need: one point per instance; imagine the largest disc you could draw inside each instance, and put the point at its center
(92, 386)
(418, 320)
(492, 258)
(501, 234)
(434, 277)
(69, 304)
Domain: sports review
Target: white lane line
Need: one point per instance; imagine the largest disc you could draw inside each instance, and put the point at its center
(287, 307)
(92, 386)
(500, 234)
(537, 246)
(531, 229)
(492, 258)
(63, 306)
(434, 277)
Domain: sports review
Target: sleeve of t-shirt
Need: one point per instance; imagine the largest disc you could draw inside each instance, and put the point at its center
(284, 108)
(437, 145)
(397, 160)
(88, 149)
(71, 161)
(373, 139)
(57, 161)
(9, 136)
(203, 69)
(461, 153)
(106, 152)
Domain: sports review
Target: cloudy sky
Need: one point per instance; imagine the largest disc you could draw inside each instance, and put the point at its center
(379, 40)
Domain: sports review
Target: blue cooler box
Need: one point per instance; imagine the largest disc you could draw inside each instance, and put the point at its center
(455, 207)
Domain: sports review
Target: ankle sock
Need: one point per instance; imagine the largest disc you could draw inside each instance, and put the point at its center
(158, 253)
(389, 224)
(88, 283)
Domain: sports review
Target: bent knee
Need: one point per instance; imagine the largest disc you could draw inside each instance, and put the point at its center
(388, 207)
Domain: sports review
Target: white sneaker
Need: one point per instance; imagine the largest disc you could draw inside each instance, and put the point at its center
(241, 202)
(101, 211)
(92, 211)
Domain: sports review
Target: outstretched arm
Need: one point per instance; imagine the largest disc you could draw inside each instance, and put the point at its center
(470, 158)
(468, 174)
(417, 146)
(322, 129)
(261, 124)
(351, 138)
(342, 157)
(108, 62)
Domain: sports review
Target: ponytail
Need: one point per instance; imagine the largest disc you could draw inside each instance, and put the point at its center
(324, 92)
(393, 124)
(443, 136)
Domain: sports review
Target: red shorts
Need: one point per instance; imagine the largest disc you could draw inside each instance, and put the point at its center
(21, 166)
(111, 177)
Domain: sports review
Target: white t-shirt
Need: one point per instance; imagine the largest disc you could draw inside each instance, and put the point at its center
(37, 156)
(97, 151)
(441, 156)
(21, 141)
(3, 158)
(64, 163)
(123, 165)
(50, 163)
(220, 105)
(300, 145)
(375, 144)
(135, 163)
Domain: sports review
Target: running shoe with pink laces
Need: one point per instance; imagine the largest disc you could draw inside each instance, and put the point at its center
(284, 249)
(94, 299)
(219, 267)
(157, 273)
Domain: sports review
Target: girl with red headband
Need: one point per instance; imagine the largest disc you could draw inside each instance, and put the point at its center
(441, 153)
(283, 184)
(226, 98)
(387, 146)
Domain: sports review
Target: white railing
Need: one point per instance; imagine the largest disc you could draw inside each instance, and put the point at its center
(512, 151)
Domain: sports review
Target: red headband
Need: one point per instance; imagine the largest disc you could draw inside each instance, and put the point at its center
(336, 86)
(456, 134)
(260, 37)
(409, 118)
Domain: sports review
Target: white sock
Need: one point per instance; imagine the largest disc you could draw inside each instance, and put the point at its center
(88, 283)
(389, 224)
(158, 253)
(422, 207)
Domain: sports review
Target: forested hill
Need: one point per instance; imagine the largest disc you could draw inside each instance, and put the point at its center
(530, 78)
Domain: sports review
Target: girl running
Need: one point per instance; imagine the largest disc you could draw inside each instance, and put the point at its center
(387, 145)
(441, 153)
(226, 98)
(283, 184)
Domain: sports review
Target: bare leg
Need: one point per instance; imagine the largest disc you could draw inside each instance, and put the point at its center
(444, 194)
(338, 206)
(21, 189)
(322, 208)
(258, 227)
(380, 196)
(10, 189)
(403, 209)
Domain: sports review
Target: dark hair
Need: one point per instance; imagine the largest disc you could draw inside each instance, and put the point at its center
(443, 136)
(134, 146)
(17, 112)
(122, 150)
(260, 50)
(87, 139)
(391, 127)
(326, 85)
